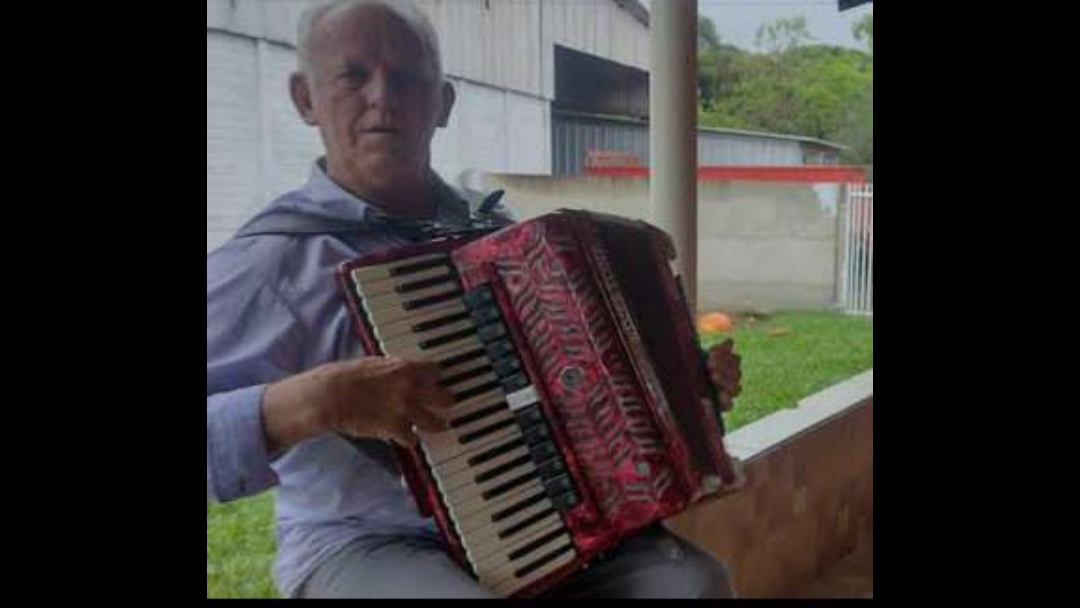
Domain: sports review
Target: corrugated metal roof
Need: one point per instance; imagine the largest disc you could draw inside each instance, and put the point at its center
(748, 133)
(635, 8)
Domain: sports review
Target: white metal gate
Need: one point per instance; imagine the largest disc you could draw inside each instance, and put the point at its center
(857, 250)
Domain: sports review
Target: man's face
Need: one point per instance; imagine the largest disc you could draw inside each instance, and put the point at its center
(376, 98)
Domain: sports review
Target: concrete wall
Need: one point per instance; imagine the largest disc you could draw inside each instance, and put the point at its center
(762, 246)
(808, 502)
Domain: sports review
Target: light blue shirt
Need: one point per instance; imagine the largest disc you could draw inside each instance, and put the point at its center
(274, 308)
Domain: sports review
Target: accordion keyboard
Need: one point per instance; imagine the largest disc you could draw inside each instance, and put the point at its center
(498, 470)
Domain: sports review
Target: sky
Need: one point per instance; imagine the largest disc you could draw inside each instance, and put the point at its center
(737, 21)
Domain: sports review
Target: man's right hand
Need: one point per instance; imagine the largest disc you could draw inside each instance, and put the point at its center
(374, 397)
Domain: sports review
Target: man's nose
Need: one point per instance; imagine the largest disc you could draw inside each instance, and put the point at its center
(380, 91)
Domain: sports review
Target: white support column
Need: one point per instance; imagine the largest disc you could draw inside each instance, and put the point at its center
(673, 130)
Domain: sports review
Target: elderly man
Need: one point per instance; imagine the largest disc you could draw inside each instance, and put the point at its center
(286, 378)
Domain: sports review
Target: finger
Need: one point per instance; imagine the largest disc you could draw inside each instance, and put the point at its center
(726, 403)
(429, 421)
(432, 397)
(425, 373)
(402, 434)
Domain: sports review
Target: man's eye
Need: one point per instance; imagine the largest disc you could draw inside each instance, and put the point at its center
(356, 77)
(406, 79)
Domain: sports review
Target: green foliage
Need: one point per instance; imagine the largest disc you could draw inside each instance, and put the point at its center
(793, 87)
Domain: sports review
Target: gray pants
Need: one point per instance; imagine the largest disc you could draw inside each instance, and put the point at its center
(654, 565)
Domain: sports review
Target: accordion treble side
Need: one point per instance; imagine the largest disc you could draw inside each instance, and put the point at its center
(582, 409)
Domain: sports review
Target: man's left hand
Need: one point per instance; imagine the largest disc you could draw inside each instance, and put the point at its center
(725, 371)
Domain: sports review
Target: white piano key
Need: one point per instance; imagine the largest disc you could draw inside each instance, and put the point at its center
(442, 447)
(481, 542)
(383, 271)
(456, 465)
(440, 352)
(492, 569)
(371, 289)
(453, 480)
(464, 494)
(413, 340)
(480, 361)
(448, 442)
(394, 300)
(474, 382)
(497, 548)
(493, 396)
(472, 512)
(513, 584)
(483, 425)
(404, 327)
(476, 355)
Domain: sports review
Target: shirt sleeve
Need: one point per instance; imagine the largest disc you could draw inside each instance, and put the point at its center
(253, 338)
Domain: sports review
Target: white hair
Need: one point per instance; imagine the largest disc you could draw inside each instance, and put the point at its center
(404, 9)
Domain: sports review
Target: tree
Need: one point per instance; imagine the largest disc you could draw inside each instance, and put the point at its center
(783, 35)
(864, 31)
(708, 39)
(708, 61)
(792, 86)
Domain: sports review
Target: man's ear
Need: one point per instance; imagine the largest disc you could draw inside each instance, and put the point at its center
(447, 98)
(300, 90)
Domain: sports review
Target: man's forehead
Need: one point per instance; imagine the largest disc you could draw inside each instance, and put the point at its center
(359, 32)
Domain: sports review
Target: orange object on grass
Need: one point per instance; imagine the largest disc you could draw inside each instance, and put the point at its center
(713, 322)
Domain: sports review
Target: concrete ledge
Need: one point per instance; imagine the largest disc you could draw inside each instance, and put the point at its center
(808, 500)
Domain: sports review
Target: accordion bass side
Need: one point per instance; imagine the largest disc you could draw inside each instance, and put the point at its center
(582, 402)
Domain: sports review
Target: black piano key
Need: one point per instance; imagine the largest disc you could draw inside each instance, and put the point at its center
(491, 332)
(495, 452)
(534, 545)
(476, 390)
(526, 523)
(433, 300)
(519, 507)
(503, 469)
(457, 423)
(543, 561)
(462, 358)
(418, 285)
(463, 376)
(487, 430)
(437, 323)
(508, 486)
(447, 339)
(418, 267)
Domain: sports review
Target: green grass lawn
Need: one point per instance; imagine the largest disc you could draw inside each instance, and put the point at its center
(785, 358)
(240, 549)
(790, 356)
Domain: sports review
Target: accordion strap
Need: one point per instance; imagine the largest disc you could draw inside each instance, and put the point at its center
(283, 225)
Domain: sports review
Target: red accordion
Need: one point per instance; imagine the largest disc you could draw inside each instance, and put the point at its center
(583, 409)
